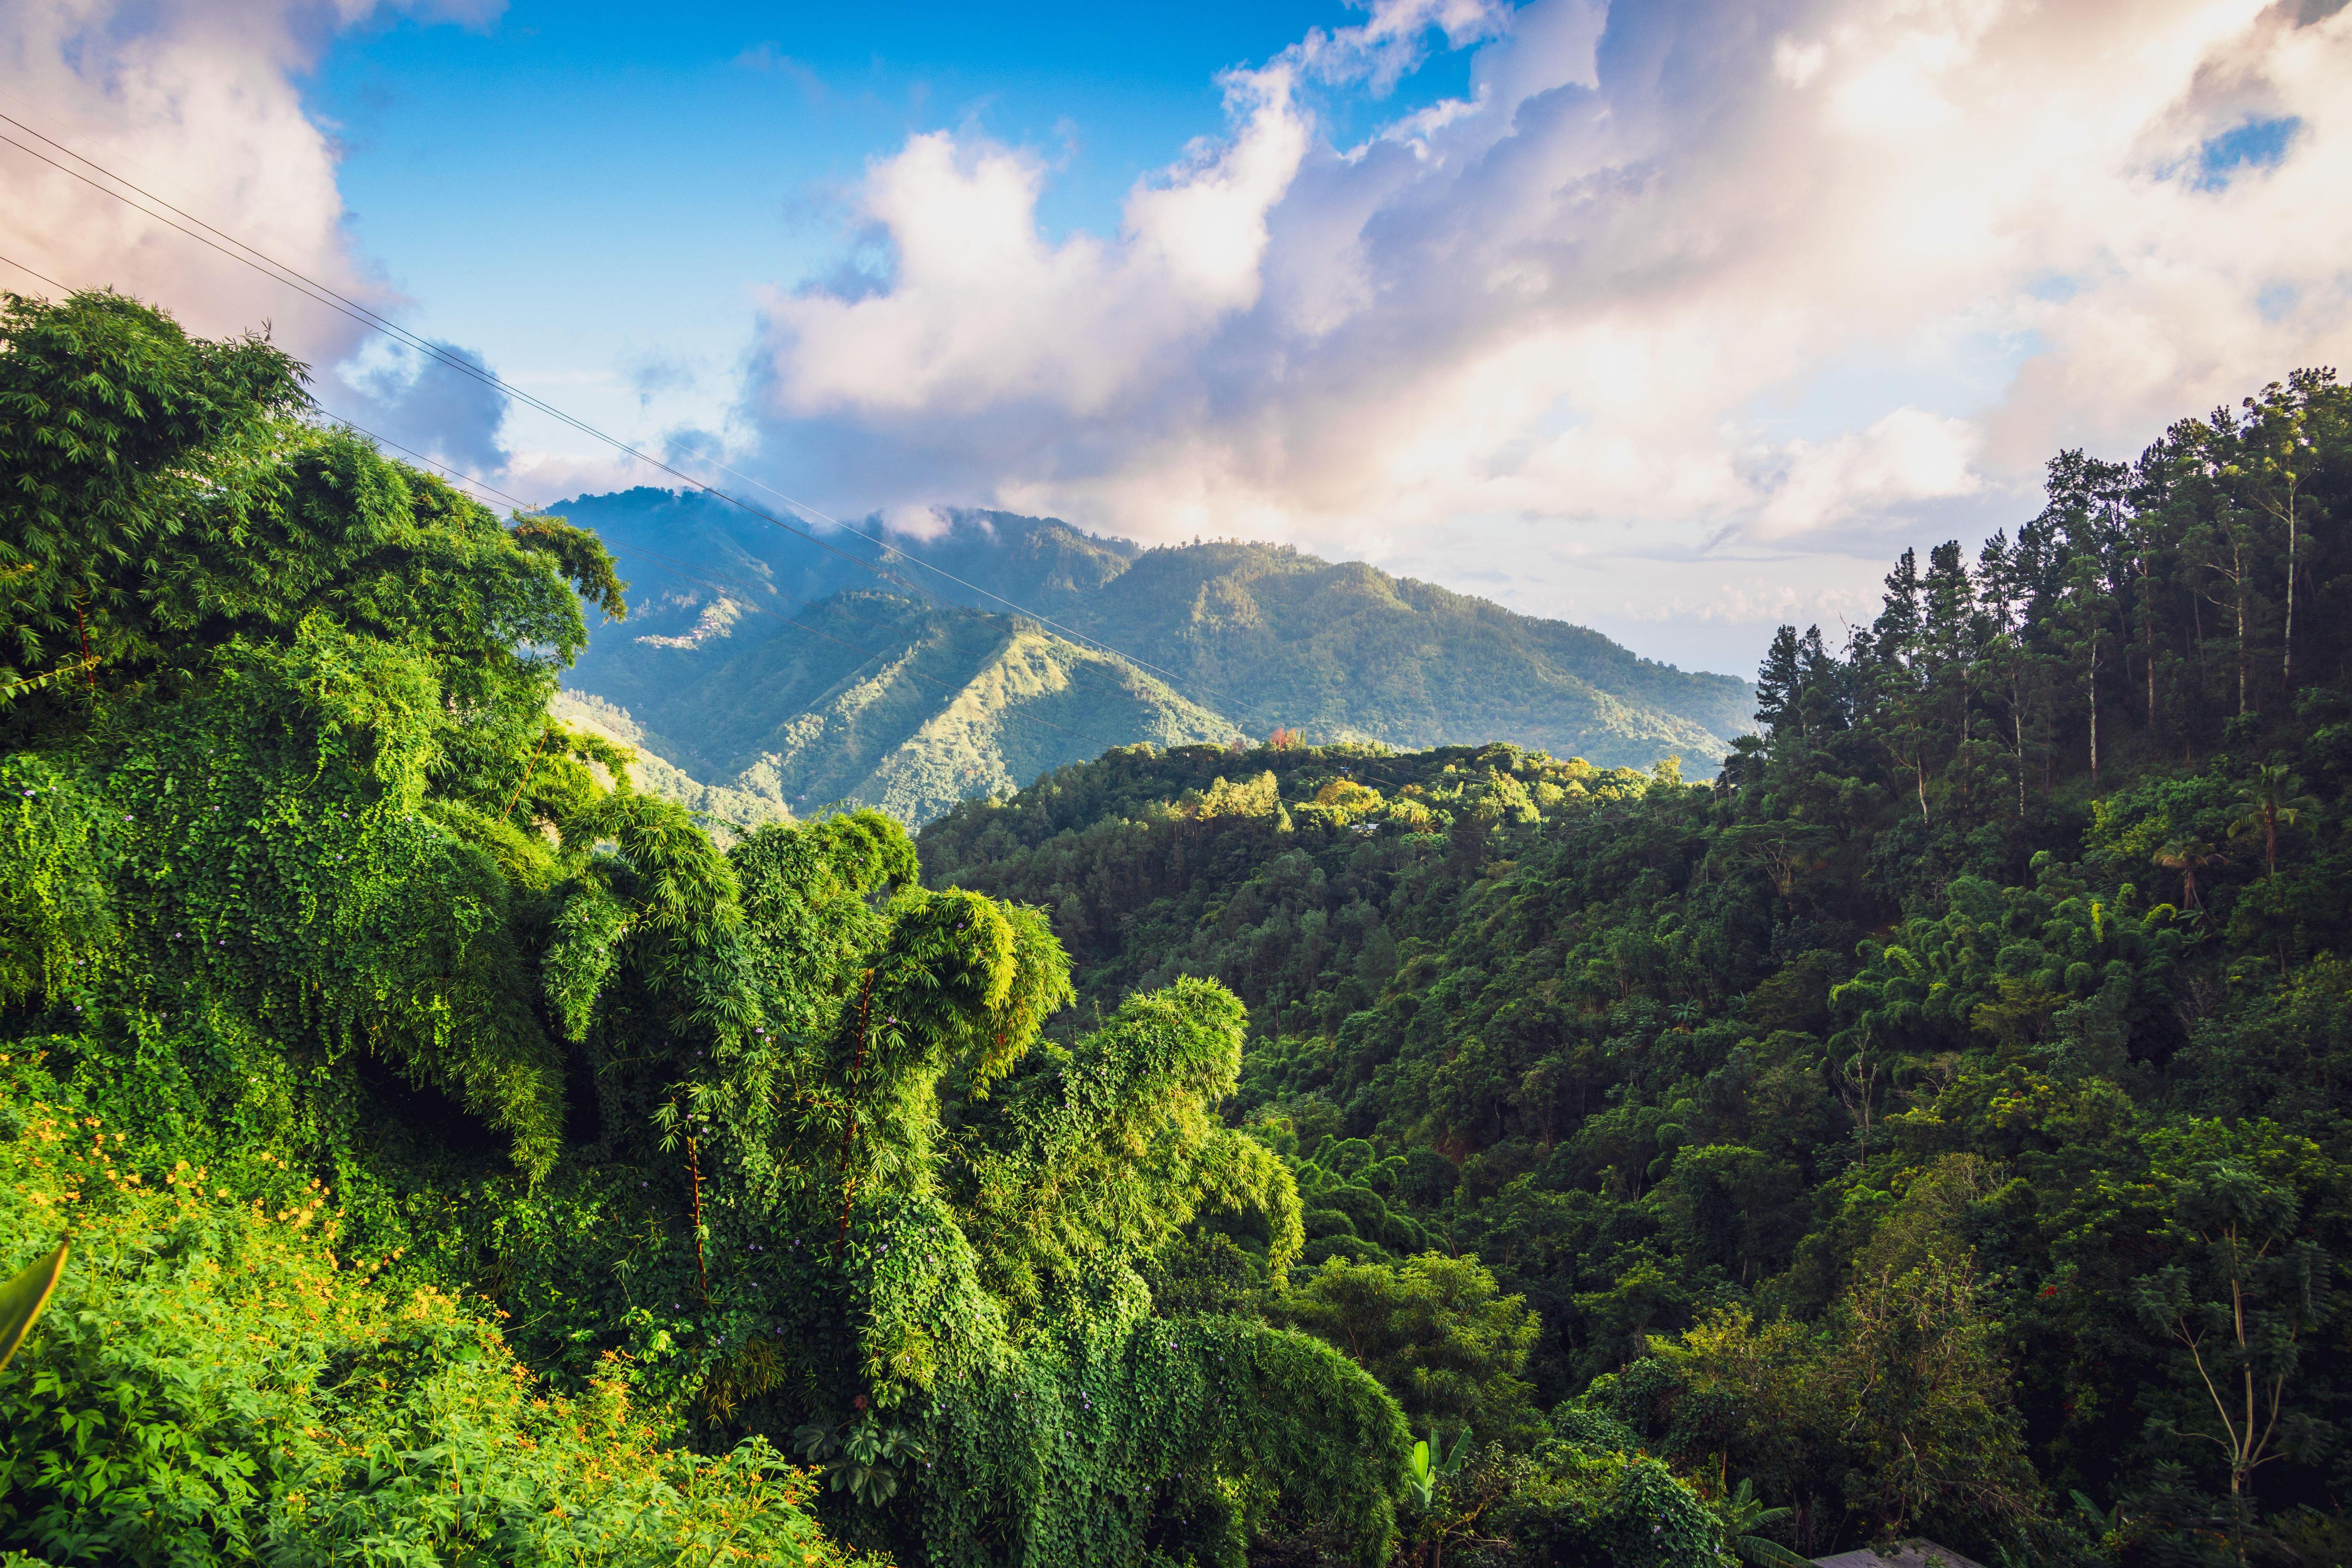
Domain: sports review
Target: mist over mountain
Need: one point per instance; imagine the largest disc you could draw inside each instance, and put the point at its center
(904, 675)
(1931, 1128)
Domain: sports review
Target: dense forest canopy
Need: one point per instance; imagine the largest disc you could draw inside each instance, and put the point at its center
(1280, 1155)
(909, 674)
(466, 1159)
(1934, 1119)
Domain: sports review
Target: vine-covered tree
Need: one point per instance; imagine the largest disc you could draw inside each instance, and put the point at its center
(298, 876)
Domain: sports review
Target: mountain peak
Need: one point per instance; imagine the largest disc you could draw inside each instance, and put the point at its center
(741, 629)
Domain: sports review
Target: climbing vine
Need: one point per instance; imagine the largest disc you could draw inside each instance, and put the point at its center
(766, 1135)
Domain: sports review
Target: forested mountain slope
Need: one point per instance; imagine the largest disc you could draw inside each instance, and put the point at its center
(466, 1159)
(723, 809)
(869, 699)
(1932, 1124)
(1938, 1119)
(1262, 637)
(1346, 652)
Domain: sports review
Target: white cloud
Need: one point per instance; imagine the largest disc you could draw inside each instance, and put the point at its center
(546, 477)
(1797, 64)
(918, 522)
(194, 102)
(1673, 305)
(983, 311)
(1907, 456)
(1587, 295)
(1395, 40)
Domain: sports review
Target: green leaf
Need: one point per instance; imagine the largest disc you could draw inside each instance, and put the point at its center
(22, 1299)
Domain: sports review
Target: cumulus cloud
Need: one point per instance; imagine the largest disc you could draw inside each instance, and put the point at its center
(1691, 311)
(1907, 456)
(427, 403)
(980, 310)
(1670, 285)
(195, 101)
(924, 523)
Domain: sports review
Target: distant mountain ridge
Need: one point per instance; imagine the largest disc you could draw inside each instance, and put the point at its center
(760, 662)
(872, 700)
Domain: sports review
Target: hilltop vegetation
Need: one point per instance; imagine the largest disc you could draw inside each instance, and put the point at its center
(1932, 1124)
(870, 700)
(876, 697)
(1937, 1120)
(1345, 652)
(466, 1160)
(724, 810)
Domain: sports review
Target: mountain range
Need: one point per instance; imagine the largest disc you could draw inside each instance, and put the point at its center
(910, 672)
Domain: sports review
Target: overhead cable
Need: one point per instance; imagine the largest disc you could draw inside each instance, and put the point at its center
(322, 294)
(42, 276)
(679, 570)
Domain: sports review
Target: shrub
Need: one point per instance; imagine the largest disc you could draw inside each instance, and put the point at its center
(213, 1384)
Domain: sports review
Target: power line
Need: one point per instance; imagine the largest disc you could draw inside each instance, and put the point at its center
(680, 570)
(718, 582)
(319, 293)
(452, 474)
(1071, 632)
(29, 271)
(677, 569)
(528, 507)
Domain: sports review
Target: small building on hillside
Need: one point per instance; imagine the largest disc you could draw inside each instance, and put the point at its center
(1912, 1553)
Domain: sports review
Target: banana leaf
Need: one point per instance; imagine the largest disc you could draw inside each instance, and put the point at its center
(22, 1299)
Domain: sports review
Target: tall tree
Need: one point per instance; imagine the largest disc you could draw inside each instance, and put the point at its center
(1904, 698)
(1781, 684)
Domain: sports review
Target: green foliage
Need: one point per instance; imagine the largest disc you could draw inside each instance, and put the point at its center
(115, 425)
(1431, 1464)
(23, 1296)
(2241, 1281)
(1434, 1330)
(1887, 1122)
(1089, 1158)
(1203, 1412)
(1874, 1126)
(214, 1384)
(305, 890)
(273, 869)
(580, 556)
(1743, 1515)
(1586, 1510)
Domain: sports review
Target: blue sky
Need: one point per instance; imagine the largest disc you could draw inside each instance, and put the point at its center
(591, 194)
(1677, 322)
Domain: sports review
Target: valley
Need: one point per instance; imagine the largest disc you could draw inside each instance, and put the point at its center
(906, 679)
(440, 1125)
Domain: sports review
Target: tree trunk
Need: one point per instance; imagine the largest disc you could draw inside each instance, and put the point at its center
(2095, 713)
(2287, 658)
(2017, 720)
(1960, 744)
(2238, 562)
(2196, 620)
